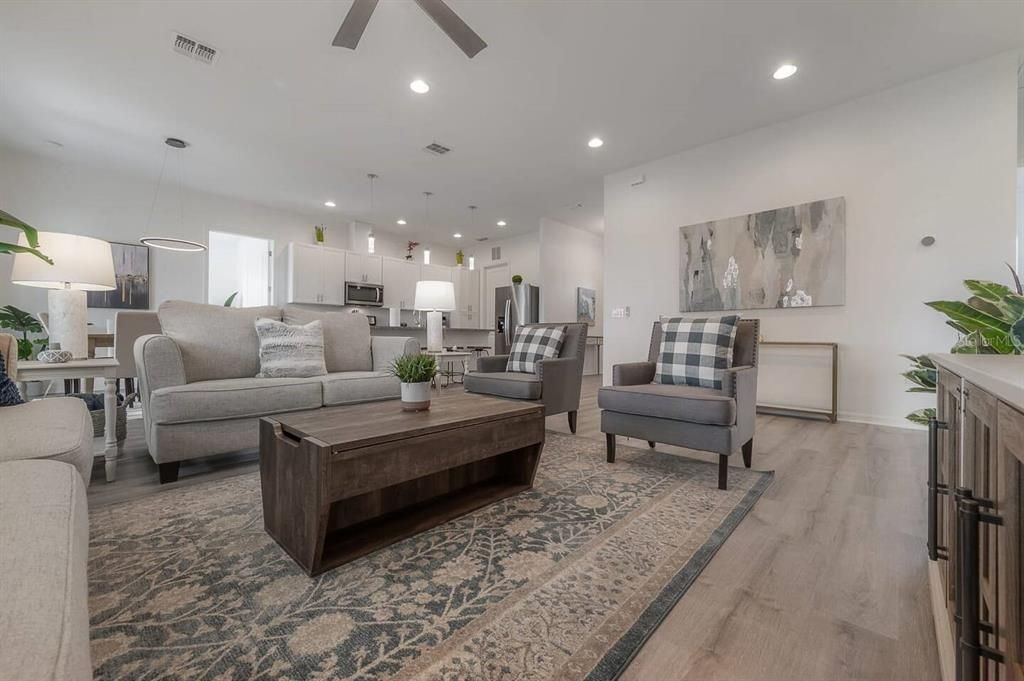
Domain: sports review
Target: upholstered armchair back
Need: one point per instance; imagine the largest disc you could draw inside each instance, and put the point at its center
(744, 349)
(9, 351)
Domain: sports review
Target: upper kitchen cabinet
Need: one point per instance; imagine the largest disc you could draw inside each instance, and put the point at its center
(364, 269)
(399, 278)
(313, 274)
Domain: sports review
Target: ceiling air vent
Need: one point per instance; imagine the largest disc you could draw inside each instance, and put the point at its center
(436, 149)
(190, 47)
(482, 238)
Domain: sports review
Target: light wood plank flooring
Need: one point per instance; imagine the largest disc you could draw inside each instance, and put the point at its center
(825, 579)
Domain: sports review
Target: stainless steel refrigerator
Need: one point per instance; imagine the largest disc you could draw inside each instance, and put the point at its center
(505, 320)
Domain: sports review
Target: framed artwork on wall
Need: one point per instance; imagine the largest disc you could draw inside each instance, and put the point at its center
(586, 305)
(782, 258)
(131, 274)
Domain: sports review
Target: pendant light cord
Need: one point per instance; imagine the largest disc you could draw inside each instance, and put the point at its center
(156, 191)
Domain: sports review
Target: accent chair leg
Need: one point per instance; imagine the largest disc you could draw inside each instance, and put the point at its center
(572, 422)
(651, 443)
(748, 452)
(723, 471)
(610, 438)
(169, 472)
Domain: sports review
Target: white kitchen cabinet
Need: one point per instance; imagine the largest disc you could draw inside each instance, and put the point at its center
(435, 273)
(314, 274)
(467, 299)
(363, 268)
(399, 279)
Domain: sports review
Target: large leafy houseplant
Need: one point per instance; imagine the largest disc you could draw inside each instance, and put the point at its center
(990, 322)
(22, 322)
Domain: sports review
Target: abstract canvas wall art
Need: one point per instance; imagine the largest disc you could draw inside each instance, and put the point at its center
(586, 305)
(787, 257)
(131, 274)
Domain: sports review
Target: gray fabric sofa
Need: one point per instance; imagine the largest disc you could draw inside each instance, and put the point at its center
(720, 421)
(557, 381)
(44, 544)
(57, 428)
(198, 384)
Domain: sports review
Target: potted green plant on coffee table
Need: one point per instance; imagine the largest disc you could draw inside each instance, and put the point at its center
(416, 373)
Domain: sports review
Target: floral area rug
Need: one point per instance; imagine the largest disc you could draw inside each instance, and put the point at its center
(565, 581)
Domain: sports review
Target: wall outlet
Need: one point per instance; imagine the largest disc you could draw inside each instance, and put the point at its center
(620, 312)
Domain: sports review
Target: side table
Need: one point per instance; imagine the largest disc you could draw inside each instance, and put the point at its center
(84, 368)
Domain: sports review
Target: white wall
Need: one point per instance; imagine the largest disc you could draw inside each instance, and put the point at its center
(936, 157)
(57, 196)
(569, 258)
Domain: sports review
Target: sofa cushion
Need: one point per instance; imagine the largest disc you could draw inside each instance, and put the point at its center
(359, 386)
(346, 337)
(44, 542)
(233, 398)
(676, 402)
(290, 350)
(504, 384)
(9, 394)
(58, 428)
(216, 342)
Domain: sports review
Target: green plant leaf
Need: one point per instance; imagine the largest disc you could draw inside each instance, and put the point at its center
(921, 416)
(230, 300)
(31, 236)
(419, 368)
(1014, 305)
(1017, 335)
(988, 308)
(923, 377)
(16, 319)
(957, 327)
(987, 290)
(969, 317)
(919, 389)
(1016, 280)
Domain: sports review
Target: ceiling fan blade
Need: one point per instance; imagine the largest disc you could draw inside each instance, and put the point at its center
(465, 37)
(355, 23)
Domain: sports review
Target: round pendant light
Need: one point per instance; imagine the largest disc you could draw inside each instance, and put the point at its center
(170, 243)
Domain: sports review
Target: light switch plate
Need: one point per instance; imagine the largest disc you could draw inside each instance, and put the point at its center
(620, 312)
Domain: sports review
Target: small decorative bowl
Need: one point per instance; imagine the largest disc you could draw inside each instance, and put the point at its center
(54, 356)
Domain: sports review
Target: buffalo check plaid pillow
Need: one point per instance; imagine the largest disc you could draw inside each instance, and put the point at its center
(696, 351)
(532, 344)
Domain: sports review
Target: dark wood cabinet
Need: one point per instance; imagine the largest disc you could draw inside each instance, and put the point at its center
(979, 456)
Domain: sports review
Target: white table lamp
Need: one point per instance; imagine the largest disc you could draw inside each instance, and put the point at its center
(80, 264)
(435, 297)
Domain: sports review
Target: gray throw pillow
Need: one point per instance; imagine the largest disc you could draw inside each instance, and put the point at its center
(288, 351)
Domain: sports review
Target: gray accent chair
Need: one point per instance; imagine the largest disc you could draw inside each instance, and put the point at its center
(197, 378)
(557, 381)
(720, 421)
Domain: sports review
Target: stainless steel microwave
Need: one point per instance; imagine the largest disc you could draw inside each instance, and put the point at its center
(366, 295)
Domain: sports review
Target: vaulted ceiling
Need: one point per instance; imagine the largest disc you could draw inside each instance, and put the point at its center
(284, 118)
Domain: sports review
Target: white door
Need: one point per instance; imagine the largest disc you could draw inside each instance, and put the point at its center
(495, 276)
(305, 273)
(239, 268)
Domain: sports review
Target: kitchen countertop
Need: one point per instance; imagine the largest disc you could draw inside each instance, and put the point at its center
(1000, 375)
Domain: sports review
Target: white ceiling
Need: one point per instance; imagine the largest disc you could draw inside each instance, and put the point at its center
(288, 120)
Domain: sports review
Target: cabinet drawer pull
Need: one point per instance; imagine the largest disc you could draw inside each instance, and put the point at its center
(935, 488)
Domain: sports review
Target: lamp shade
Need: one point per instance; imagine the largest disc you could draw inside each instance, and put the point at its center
(435, 296)
(79, 263)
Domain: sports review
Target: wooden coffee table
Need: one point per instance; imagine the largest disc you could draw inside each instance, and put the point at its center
(341, 482)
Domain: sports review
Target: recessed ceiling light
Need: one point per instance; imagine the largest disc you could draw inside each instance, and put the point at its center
(595, 142)
(501, 223)
(419, 86)
(330, 204)
(400, 222)
(784, 71)
(457, 235)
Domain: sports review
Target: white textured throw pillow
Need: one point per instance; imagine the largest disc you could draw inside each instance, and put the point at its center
(288, 351)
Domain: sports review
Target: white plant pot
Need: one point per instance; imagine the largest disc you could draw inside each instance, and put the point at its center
(416, 396)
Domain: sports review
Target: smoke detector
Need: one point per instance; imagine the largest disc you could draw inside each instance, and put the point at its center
(436, 149)
(190, 47)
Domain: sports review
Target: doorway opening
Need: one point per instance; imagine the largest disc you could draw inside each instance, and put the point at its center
(239, 266)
